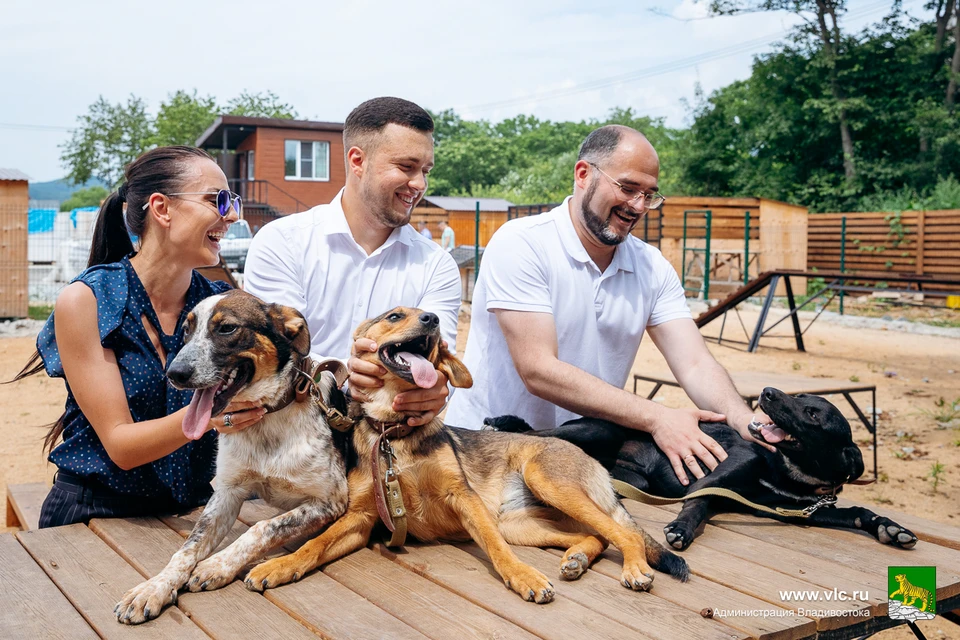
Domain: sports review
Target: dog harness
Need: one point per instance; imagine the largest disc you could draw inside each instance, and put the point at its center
(307, 387)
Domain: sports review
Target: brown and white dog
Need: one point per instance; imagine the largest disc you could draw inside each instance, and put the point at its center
(496, 488)
(240, 348)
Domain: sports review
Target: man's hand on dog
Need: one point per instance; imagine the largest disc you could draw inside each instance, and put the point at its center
(677, 433)
(368, 375)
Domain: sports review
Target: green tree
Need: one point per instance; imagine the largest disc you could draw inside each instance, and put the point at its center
(107, 138)
(264, 104)
(182, 117)
(89, 197)
(821, 22)
(768, 135)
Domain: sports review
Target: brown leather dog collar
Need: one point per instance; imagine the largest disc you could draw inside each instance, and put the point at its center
(386, 484)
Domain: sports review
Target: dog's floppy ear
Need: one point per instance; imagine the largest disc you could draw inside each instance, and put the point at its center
(364, 327)
(293, 327)
(854, 461)
(455, 370)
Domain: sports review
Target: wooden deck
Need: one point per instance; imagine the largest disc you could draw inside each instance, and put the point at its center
(68, 579)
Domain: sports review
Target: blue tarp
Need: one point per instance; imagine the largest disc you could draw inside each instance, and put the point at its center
(73, 214)
(40, 220)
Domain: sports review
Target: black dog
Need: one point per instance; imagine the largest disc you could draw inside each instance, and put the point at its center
(815, 456)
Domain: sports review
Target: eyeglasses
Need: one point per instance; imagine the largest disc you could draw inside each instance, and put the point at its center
(226, 200)
(634, 197)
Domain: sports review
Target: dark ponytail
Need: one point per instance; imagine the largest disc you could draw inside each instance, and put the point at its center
(111, 242)
(157, 171)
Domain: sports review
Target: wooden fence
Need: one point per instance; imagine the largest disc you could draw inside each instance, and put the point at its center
(14, 278)
(911, 242)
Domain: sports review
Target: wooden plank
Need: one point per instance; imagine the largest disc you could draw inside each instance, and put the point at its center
(699, 593)
(35, 608)
(148, 544)
(646, 613)
(937, 533)
(848, 548)
(319, 601)
(334, 611)
(469, 575)
(425, 606)
(94, 578)
(23, 504)
(772, 569)
(750, 384)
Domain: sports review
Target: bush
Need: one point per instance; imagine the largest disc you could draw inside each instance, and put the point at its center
(89, 197)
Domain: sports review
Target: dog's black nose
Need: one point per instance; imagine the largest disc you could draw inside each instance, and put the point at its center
(179, 373)
(768, 393)
(428, 319)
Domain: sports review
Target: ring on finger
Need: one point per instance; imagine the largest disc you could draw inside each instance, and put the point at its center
(228, 420)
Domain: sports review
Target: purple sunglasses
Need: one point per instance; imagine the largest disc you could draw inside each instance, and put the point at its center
(226, 200)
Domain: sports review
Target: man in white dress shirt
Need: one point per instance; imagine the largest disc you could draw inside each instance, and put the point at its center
(561, 304)
(358, 257)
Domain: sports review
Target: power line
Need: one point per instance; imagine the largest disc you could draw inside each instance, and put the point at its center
(656, 70)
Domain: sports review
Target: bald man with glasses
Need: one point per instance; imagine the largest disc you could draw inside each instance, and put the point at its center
(561, 304)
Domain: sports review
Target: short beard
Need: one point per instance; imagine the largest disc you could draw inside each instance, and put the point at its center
(598, 226)
(381, 210)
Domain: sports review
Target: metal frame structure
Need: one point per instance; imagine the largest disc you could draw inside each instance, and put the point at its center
(704, 288)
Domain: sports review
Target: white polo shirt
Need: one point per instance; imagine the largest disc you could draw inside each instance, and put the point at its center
(310, 261)
(538, 264)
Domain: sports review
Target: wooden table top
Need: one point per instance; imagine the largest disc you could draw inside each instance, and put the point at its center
(67, 579)
(750, 384)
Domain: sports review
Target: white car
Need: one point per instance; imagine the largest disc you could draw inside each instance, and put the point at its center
(235, 244)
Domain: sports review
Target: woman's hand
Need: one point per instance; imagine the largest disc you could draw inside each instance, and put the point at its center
(238, 416)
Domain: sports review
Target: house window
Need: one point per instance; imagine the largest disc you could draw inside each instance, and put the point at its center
(306, 160)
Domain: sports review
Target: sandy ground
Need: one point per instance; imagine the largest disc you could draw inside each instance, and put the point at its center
(912, 372)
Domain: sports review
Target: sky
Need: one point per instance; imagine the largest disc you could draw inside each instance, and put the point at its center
(555, 59)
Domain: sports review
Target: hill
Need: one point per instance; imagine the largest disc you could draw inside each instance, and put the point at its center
(60, 190)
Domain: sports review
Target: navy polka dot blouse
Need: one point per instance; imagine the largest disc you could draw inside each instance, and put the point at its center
(185, 474)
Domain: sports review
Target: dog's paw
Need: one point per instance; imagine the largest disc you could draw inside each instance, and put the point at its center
(889, 532)
(273, 573)
(212, 573)
(638, 577)
(530, 584)
(574, 566)
(145, 601)
(679, 534)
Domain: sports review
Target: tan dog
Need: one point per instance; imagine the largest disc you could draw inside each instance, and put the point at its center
(496, 488)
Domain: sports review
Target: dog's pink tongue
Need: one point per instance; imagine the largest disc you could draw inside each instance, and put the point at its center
(198, 413)
(423, 372)
(772, 434)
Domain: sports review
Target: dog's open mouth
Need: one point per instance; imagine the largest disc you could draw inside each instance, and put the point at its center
(210, 401)
(408, 360)
(770, 433)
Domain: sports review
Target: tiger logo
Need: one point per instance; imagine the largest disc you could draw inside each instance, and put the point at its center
(910, 592)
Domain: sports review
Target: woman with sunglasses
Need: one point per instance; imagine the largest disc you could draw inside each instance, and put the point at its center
(112, 333)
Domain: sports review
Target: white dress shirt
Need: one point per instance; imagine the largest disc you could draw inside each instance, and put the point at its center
(310, 261)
